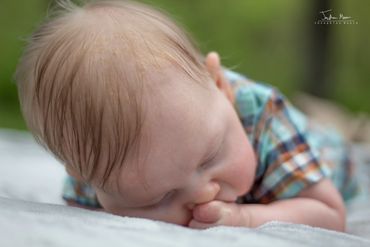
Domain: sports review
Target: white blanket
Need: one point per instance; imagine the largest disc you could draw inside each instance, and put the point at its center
(33, 214)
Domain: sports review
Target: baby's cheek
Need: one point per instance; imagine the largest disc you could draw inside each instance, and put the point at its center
(246, 168)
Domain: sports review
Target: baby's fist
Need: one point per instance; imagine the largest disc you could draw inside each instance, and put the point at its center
(216, 213)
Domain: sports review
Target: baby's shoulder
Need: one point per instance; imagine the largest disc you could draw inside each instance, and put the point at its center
(251, 97)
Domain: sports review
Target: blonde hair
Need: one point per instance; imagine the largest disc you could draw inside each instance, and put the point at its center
(86, 64)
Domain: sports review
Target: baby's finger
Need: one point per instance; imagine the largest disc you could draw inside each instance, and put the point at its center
(200, 225)
(208, 212)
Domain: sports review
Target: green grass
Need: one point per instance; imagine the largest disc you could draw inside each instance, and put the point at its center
(265, 40)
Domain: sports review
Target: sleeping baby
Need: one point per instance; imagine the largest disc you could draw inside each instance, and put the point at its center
(146, 126)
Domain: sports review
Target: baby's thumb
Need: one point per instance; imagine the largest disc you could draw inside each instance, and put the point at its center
(207, 213)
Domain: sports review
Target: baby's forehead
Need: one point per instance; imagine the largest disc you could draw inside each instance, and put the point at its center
(178, 109)
(171, 92)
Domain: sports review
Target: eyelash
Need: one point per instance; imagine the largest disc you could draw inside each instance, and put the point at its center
(206, 163)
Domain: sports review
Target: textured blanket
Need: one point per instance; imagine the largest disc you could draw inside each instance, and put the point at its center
(33, 214)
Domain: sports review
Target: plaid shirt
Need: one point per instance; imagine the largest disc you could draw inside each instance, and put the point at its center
(292, 153)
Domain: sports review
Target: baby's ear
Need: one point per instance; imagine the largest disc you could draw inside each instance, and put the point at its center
(217, 74)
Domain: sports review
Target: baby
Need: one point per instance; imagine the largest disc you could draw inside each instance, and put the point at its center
(147, 127)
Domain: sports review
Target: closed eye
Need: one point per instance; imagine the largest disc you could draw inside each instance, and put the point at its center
(209, 161)
(206, 164)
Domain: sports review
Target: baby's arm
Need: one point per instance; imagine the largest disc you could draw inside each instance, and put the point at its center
(319, 205)
(77, 205)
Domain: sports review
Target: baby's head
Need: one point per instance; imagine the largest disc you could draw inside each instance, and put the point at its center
(118, 93)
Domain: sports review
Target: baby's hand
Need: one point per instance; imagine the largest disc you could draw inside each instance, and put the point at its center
(217, 213)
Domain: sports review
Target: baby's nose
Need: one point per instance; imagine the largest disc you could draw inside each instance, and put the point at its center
(205, 194)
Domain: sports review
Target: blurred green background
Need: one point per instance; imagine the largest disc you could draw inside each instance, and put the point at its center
(270, 41)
